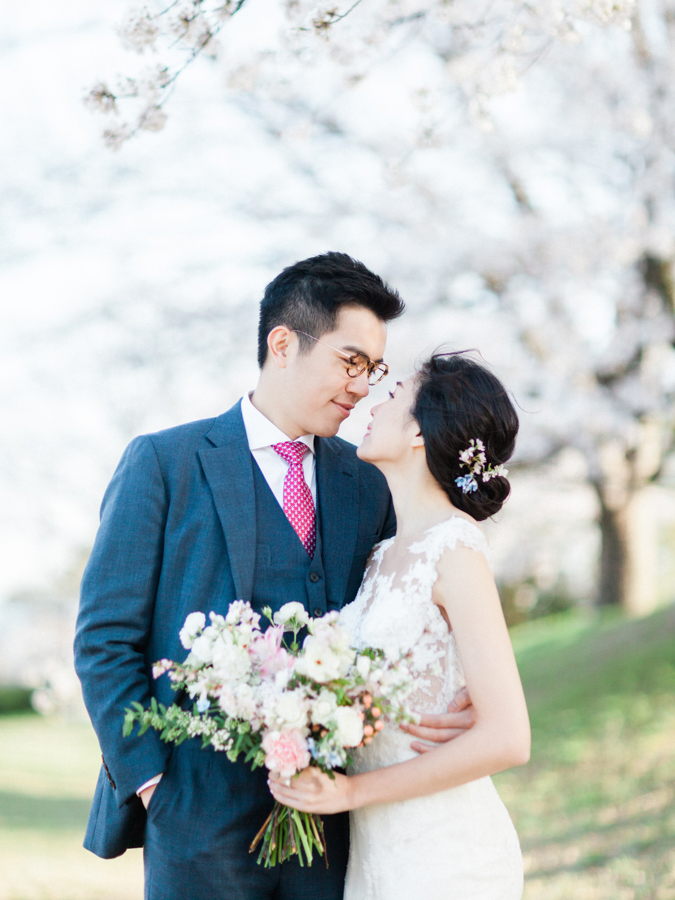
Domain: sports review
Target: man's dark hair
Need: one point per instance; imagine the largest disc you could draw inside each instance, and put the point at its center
(309, 295)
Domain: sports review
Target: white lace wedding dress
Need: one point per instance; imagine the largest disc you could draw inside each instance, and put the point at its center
(457, 844)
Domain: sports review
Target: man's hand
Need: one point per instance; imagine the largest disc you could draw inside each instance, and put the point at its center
(147, 794)
(443, 727)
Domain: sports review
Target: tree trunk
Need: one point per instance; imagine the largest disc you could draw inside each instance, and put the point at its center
(629, 554)
(613, 554)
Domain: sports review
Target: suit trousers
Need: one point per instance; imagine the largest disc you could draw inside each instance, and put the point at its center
(200, 823)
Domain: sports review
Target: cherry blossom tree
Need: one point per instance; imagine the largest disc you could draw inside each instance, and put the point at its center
(484, 45)
(607, 389)
(515, 159)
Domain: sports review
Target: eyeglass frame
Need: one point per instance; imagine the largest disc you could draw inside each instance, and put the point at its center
(370, 365)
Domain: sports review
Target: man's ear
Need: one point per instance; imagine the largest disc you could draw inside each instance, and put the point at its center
(278, 342)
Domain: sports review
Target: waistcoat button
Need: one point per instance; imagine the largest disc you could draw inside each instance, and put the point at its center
(314, 577)
(318, 612)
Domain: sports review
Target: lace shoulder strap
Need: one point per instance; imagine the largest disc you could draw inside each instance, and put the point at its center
(446, 535)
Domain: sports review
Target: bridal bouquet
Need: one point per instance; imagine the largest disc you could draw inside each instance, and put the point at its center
(279, 704)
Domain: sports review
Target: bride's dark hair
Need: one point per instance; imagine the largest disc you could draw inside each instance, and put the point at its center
(458, 401)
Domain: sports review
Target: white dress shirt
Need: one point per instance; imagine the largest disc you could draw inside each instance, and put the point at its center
(261, 434)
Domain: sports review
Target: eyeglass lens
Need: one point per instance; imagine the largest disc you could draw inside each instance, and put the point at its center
(376, 371)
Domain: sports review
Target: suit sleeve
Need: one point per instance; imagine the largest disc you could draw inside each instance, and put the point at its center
(115, 617)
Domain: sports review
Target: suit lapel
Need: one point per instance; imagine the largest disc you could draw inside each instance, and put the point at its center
(337, 488)
(228, 468)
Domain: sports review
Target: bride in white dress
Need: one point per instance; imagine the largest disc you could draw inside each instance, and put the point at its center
(432, 825)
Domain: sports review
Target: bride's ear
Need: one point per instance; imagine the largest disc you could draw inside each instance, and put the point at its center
(418, 440)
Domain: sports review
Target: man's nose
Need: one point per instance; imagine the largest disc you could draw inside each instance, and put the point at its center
(359, 386)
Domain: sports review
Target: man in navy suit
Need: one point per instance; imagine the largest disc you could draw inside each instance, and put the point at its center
(264, 504)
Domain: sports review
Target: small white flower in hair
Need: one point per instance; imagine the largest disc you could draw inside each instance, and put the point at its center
(473, 458)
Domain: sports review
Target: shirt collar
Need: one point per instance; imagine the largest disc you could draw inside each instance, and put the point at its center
(263, 433)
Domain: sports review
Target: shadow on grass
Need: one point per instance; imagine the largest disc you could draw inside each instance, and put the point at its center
(662, 821)
(631, 849)
(42, 813)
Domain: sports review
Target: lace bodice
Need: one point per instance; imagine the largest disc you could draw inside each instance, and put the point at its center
(394, 610)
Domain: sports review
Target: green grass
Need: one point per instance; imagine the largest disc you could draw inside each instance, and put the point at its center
(48, 769)
(594, 809)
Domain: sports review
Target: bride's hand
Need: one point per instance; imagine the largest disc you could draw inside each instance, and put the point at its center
(313, 791)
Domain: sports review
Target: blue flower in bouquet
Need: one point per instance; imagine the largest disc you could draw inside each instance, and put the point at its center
(335, 759)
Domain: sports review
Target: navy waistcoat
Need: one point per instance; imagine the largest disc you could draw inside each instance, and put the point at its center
(283, 570)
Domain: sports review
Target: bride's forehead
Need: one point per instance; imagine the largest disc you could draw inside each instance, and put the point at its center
(407, 384)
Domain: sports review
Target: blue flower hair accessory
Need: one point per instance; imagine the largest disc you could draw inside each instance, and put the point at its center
(474, 459)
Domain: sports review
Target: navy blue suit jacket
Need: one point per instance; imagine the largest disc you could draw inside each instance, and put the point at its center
(177, 534)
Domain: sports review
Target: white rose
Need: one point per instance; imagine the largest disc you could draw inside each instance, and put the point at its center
(325, 625)
(282, 678)
(346, 658)
(323, 708)
(363, 666)
(193, 625)
(290, 611)
(231, 661)
(247, 702)
(291, 710)
(228, 702)
(318, 661)
(349, 726)
(201, 650)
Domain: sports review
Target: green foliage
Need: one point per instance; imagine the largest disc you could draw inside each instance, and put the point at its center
(14, 698)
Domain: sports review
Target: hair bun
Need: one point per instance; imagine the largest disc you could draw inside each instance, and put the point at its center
(460, 406)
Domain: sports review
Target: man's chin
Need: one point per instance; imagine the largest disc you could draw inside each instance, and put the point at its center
(327, 431)
(326, 427)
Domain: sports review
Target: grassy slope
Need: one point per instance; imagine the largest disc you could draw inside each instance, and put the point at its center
(594, 808)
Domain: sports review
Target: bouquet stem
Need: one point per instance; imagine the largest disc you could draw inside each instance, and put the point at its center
(287, 832)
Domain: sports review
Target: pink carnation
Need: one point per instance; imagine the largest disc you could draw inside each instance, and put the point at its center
(286, 751)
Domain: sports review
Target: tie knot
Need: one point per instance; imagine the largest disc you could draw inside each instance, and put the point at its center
(291, 451)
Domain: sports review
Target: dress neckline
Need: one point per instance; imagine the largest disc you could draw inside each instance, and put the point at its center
(438, 525)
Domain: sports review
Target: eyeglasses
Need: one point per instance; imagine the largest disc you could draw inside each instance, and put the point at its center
(358, 362)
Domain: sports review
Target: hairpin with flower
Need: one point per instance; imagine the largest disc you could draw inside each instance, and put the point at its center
(474, 459)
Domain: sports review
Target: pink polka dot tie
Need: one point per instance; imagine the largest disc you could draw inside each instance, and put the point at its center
(298, 502)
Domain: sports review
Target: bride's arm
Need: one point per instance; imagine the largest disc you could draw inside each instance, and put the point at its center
(500, 737)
